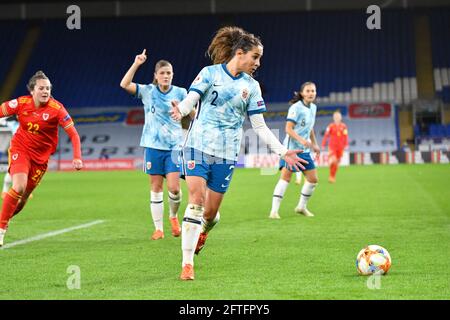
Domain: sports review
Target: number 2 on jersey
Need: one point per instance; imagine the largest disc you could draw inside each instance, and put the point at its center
(213, 102)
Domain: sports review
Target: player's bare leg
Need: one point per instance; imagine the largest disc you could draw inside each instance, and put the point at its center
(211, 216)
(10, 202)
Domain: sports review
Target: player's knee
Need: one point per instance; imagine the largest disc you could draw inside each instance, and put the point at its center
(198, 198)
(20, 187)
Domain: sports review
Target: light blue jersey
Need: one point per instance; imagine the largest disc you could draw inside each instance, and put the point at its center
(160, 131)
(304, 118)
(225, 101)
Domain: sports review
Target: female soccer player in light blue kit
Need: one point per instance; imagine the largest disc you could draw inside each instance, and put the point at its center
(299, 135)
(227, 93)
(160, 136)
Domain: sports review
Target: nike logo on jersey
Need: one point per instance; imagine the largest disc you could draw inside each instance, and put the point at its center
(217, 85)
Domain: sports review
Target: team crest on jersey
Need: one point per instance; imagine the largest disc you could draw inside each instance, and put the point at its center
(13, 104)
(45, 116)
(149, 165)
(197, 80)
(244, 94)
(191, 164)
(15, 156)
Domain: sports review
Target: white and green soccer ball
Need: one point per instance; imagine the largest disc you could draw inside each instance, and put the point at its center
(373, 259)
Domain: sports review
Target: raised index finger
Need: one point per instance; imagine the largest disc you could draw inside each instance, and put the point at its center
(145, 50)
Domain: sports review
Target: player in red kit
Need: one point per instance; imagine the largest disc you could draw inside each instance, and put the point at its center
(36, 139)
(338, 134)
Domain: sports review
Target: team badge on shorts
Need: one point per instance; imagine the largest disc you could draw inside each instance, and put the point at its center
(191, 164)
(15, 156)
(149, 165)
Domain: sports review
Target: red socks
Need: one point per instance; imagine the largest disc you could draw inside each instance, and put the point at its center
(8, 207)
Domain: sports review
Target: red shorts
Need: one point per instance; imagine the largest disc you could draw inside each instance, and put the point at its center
(20, 162)
(338, 153)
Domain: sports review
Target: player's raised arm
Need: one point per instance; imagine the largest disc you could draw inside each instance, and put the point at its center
(127, 79)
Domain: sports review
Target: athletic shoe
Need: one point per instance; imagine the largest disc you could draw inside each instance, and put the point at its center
(176, 230)
(158, 234)
(187, 273)
(201, 242)
(274, 215)
(304, 212)
(2, 236)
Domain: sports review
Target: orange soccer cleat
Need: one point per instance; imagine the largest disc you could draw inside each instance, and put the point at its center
(201, 242)
(331, 179)
(176, 230)
(187, 273)
(158, 234)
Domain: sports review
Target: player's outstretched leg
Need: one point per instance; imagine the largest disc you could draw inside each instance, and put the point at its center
(206, 228)
(12, 198)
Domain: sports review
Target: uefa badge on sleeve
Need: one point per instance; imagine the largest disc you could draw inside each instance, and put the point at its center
(191, 164)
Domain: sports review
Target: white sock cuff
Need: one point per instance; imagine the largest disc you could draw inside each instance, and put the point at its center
(156, 196)
(308, 187)
(194, 211)
(175, 197)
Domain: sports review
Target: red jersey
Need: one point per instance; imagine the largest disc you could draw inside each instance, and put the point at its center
(338, 135)
(38, 131)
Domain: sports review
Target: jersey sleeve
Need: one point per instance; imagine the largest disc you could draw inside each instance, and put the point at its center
(202, 82)
(292, 115)
(256, 102)
(142, 90)
(182, 94)
(64, 119)
(9, 108)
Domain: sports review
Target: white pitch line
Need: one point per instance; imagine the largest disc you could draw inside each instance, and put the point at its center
(51, 234)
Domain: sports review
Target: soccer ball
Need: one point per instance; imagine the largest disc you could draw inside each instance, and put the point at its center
(373, 259)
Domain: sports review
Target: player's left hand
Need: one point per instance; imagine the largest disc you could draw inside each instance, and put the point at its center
(77, 164)
(175, 112)
(293, 161)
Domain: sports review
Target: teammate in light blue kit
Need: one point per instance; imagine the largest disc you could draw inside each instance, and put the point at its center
(299, 135)
(13, 125)
(161, 138)
(227, 93)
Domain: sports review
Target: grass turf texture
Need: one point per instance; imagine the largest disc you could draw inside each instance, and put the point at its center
(404, 208)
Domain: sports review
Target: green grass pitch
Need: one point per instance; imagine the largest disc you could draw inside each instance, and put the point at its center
(405, 208)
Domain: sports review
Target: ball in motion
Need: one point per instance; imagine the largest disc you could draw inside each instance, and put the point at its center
(373, 259)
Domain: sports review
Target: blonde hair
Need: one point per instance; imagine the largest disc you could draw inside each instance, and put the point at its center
(159, 65)
(227, 41)
(39, 75)
(298, 94)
